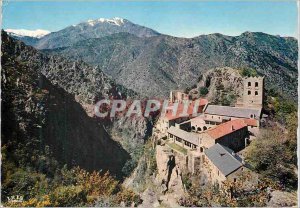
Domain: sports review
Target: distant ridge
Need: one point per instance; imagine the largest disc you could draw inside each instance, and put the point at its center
(154, 65)
(29, 33)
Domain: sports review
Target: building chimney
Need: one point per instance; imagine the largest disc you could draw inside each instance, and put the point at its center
(232, 128)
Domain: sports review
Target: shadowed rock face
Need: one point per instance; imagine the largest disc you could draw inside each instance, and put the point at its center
(39, 113)
(155, 65)
(170, 166)
(78, 139)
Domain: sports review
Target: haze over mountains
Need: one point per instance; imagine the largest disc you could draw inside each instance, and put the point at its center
(151, 63)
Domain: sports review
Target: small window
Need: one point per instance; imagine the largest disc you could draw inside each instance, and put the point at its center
(204, 128)
(203, 158)
(234, 180)
(249, 92)
(249, 84)
(256, 92)
(256, 84)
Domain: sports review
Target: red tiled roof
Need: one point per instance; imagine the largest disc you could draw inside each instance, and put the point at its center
(226, 128)
(203, 102)
(251, 122)
(169, 113)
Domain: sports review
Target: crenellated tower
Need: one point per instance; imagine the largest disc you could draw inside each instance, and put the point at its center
(253, 92)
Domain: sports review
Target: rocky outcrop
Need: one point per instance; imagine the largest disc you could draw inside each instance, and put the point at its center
(224, 84)
(168, 183)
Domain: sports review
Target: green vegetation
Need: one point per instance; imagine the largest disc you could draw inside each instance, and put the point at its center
(200, 77)
(29, 168)
(41, 181)
(283, 108)
(248, 72)
(228, 99)
(273, 156)
(228, 195)
(274, 153)
(279, 107)
(203, 91)
(177, 147)
(194, 86)
(187, 90)
(35, 175)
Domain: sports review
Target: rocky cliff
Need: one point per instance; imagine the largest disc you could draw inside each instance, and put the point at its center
(224, 86)
(41, 115)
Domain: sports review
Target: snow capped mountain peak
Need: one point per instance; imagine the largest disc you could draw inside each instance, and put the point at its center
(30, 33)
(115, 21)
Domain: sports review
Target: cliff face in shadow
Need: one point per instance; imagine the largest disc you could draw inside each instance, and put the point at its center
(39, 115)
(78, 139)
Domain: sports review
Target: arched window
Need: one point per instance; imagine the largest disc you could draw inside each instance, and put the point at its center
(256, 84)
(249, 84)
(193, 127)
(199, 129)
(251, 116)
(204, 128)
(249, 92)
(256, 92)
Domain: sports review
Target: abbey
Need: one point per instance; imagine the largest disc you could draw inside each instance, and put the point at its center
(213, 139)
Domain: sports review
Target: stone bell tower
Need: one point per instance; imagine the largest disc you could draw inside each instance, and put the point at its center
(253, 93)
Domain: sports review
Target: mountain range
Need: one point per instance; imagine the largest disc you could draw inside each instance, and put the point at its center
(85, 30)
(152, 64)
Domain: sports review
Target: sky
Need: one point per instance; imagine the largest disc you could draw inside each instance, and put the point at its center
(180, 19)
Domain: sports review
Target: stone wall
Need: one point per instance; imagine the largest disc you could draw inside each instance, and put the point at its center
(253, 92)
(235, 140)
